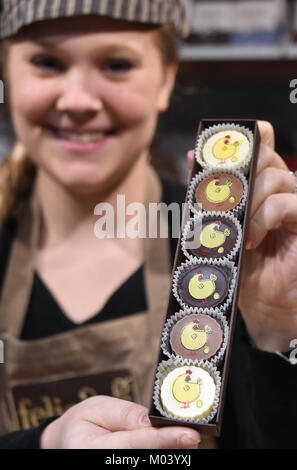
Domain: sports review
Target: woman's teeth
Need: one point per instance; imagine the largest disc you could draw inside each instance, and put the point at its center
(81, 137)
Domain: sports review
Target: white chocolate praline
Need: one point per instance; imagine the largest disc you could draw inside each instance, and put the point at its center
(226, 149)
(188, 392)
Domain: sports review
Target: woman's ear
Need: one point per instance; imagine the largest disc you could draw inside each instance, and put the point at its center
(169, 79)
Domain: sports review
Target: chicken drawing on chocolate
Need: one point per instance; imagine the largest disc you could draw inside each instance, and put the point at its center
(200, 288)
(185, 391)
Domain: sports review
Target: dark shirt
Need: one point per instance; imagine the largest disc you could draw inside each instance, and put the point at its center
(54, 321)
(260, 409)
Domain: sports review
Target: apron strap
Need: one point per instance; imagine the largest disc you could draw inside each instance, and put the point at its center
(20, 271)
(157, 258)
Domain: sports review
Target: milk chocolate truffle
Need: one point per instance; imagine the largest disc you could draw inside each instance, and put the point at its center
(216, 237)
(220, 192)
(203, 286)
(196, 337)
(188, 392)
(228, 148)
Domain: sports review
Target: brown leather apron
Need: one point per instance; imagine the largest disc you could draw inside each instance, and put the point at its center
(43, 378)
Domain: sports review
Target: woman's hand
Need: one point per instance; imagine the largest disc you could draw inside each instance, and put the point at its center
(109, 423)
(268, 295)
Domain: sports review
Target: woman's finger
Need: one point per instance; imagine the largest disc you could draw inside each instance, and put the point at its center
(191, 154)
(277, 209)
(153, 438)
(267, 133)
(269, 158)
(271, 181)
(114, 414)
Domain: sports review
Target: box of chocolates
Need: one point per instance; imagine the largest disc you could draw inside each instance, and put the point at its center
(195, 346)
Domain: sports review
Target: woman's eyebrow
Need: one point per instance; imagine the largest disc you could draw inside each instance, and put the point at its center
(45, 42)
(112, 47)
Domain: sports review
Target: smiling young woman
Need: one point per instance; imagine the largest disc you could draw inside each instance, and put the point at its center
(85, 83)
(18, 172)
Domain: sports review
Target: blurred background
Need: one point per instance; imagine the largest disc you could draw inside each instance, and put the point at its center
(238, 62)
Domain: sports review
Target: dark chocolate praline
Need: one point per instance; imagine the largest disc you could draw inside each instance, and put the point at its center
(197, 337)
(216, 237)
(203, 286)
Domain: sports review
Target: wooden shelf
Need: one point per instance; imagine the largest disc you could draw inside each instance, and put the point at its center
(234, 52)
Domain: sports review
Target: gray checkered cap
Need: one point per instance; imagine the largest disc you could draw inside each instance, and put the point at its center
(18, 13)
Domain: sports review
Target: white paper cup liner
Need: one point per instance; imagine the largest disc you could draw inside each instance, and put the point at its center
(197, 220)
(171, 322)
(166, 367)
(209, 132)
(227, 266)
(197, 209)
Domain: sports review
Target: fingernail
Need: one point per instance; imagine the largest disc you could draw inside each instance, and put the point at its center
(249, 246)
(186, 440)
(145, 420)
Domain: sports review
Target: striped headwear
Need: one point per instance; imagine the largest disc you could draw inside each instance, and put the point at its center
(18, 13)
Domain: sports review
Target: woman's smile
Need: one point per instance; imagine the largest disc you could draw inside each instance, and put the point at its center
(80, 141)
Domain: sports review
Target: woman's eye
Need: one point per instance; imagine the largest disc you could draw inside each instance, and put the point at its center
(118, 65)
(47, 63)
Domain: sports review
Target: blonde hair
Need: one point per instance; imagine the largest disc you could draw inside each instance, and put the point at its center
(17, 174)
(17, 171)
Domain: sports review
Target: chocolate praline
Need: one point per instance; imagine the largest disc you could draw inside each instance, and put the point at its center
(229, 147)
(196, 337)
(188, 392)
(216, 237)
(203, 286)
(220, 192)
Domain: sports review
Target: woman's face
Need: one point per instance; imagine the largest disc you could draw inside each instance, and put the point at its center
(85, 102)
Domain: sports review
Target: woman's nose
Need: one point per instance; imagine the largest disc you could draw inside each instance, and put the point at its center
(77, 96)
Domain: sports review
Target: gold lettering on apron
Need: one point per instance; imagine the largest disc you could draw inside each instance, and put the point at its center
(37, 414)
(48, 406)
(86, 392)
(59, 410)
(31, 416)
(121, 387)
(24, 413)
